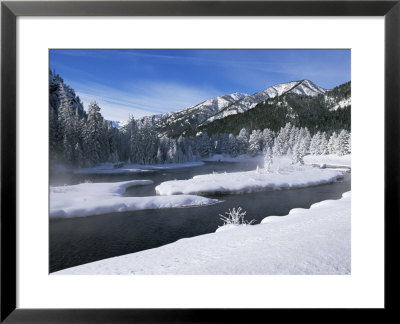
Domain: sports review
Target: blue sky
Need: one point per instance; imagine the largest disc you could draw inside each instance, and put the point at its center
(146, 82)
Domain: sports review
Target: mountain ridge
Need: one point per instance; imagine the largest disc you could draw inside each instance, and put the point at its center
(271, 92)
(185, 120)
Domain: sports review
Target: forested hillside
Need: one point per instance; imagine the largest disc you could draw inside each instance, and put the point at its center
(316, 113)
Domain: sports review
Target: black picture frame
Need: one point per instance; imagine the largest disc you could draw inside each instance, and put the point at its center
(10, 10)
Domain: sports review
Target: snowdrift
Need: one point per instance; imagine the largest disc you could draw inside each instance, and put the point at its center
(88, 199)
(249, 181)
(330, 160)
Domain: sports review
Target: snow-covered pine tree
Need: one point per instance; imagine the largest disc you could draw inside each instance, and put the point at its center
(303, 147)
(113, 139)
(293, 135)
(204, 146)
(215, 145)
(163, 148)
(54, 136)
(224, 143)
(306, 136)
(134, 154)
(104, 141)
(160, 158)
(281, 142)
(181, 147)
(171, 155)
(255, 142)
(268, 160)
(233, 146)
(323, 145)
(344, 143)
(315, 144)
(297, 155)
(332, 143)
(267, 139)
(150, 142)
(92, 136)
(349, 143)
(278, 147)
(285, 134)
(124, 143)
(243, 141)
(67, 125)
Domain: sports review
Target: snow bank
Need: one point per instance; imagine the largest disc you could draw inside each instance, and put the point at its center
(88, 199)
(249, 181)
(307, 241)
(108, 168)
(228, 227)
(228, 158)
(329, 160)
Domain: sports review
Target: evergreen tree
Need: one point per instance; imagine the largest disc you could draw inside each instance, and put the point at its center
(281, 142)
(204, 146)
(303, 146)
(133, 140)
(224, 143)
(255, 142)
(93, 135)
(306, 137)
(243, 141)
(267, 139)
(160, 158)
(268, 160)
(333, 143)
(171, 155)
(297, 155)
(323, 145)
(343, 143)
(233, 146)
(77, 138)
(315, 144)
(67, 125)
(147, 143)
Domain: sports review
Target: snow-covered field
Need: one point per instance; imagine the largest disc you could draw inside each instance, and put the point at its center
(108, 168)
(329, 160)
(228, 158)
(250, 181)
(88, 199)
(306, 241)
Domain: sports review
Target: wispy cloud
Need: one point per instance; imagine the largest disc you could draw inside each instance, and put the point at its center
(148, 98)
(144, 82)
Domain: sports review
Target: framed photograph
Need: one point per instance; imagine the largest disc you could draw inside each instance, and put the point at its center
(163, 159)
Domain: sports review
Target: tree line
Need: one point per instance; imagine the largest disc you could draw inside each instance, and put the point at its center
(83, 139)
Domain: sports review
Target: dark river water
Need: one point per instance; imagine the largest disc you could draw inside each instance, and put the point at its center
(76, 241)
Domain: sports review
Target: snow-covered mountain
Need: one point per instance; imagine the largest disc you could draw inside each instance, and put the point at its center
(302, 87)
(341, 104)
(179, 122)
(176, 123)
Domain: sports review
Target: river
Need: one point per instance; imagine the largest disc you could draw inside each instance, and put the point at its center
(76, 241)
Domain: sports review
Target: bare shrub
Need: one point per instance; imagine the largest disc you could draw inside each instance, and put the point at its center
(235, 217)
